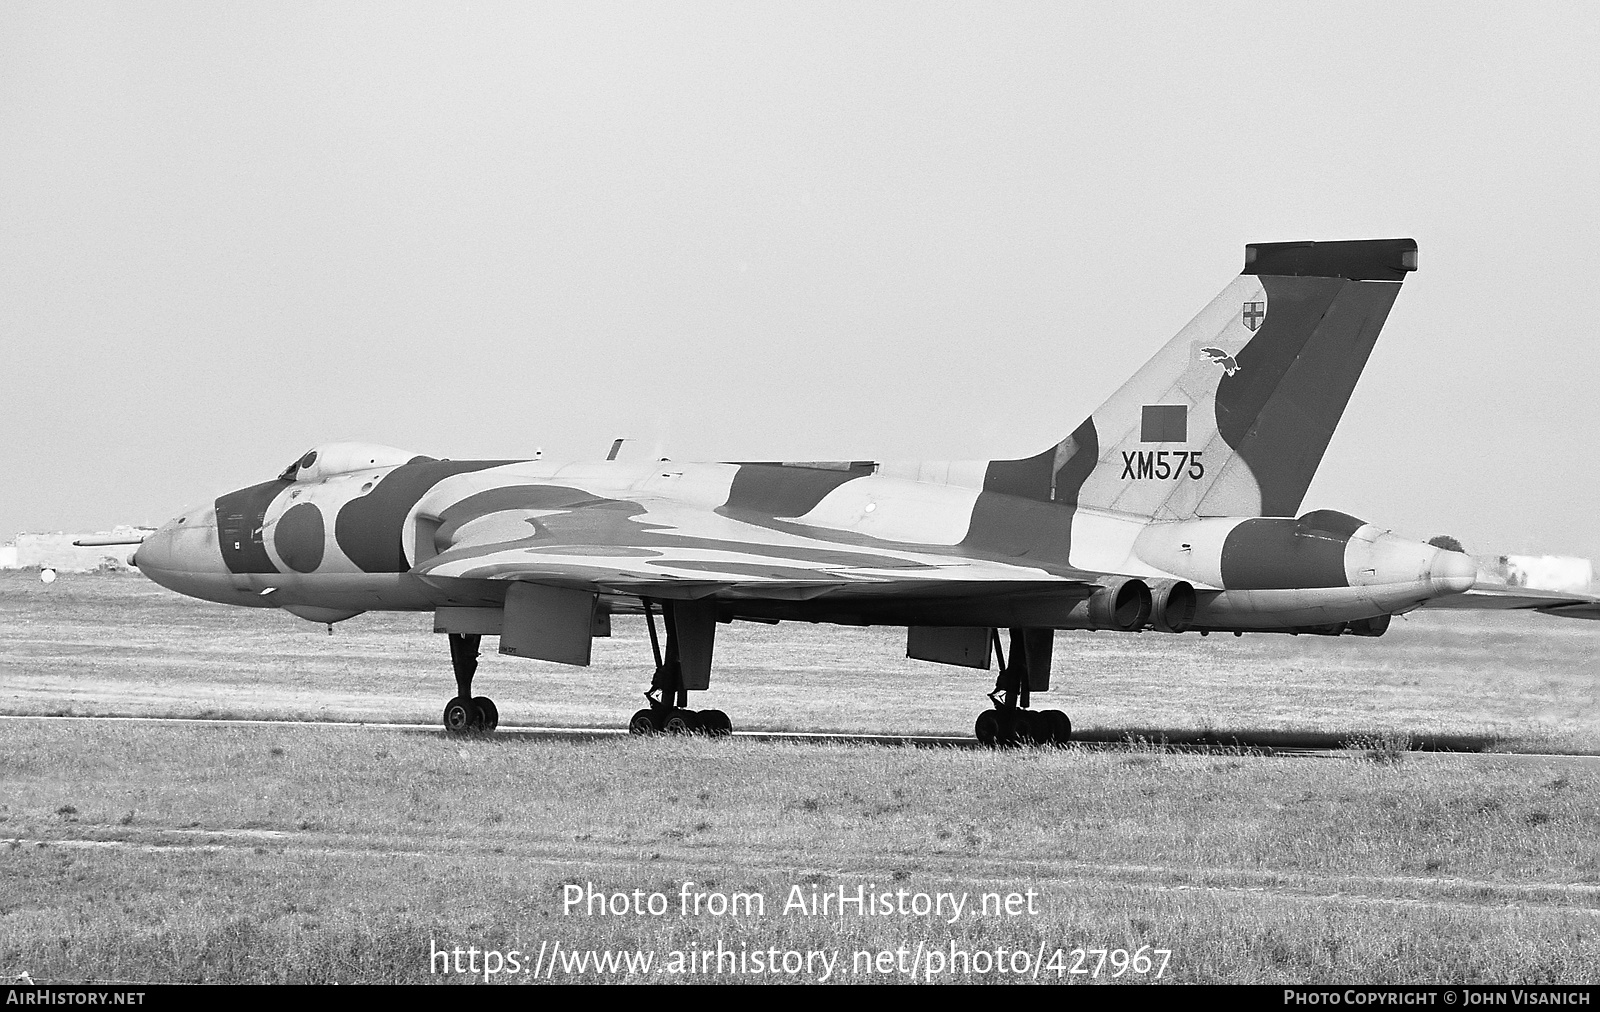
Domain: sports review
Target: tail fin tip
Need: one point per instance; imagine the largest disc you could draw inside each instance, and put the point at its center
(1354, 260)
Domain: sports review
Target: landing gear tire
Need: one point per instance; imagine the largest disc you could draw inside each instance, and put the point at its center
(643, 722)
(987, 728)
(1016, 727)
(715, 723)
(681, 722)
(1059, 726)
(488, 713)
(460, 716)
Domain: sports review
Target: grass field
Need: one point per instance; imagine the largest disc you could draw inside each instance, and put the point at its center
(300, 854)
(248, 853)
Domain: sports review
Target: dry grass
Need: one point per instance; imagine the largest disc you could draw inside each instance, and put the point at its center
(296, 854)
(118, 644)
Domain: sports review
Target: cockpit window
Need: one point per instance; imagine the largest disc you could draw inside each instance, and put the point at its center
(331, 460)
(304, 462)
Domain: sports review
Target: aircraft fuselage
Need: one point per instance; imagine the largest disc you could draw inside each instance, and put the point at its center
(369, 538)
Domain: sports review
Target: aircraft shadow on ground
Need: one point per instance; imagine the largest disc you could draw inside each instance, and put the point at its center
(1213, 740)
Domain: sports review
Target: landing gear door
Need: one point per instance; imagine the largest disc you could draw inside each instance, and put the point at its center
(695, 623)
(1036, 647)
(548, 623)
(967, 646)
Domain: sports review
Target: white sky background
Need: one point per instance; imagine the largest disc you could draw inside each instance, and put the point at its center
(775, 231)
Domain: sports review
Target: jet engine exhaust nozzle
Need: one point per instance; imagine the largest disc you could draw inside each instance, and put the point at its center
(1124, 605)
(1172, 606)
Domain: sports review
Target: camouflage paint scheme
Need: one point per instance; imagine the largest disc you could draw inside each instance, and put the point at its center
(1171, 506)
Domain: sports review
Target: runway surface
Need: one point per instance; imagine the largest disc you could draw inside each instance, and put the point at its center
(1264, 743)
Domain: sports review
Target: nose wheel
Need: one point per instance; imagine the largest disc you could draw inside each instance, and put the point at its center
(476, 714)
(466, 713)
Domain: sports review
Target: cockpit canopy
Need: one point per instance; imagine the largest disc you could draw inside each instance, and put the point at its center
(330, 459)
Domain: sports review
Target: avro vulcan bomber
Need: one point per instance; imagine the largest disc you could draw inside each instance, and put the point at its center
(1174, 508)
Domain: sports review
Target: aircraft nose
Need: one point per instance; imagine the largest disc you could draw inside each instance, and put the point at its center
(1452, 572)
(155, 551)
(184, 547)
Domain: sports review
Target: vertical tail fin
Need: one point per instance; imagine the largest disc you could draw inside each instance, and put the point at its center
(1232, 417)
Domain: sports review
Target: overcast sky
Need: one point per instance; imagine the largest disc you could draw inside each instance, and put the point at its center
(229, 232)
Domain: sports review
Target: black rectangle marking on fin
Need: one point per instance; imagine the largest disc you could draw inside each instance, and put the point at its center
(1164, 423)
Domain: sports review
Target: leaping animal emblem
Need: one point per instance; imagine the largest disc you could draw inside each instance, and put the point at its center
(1229, 364)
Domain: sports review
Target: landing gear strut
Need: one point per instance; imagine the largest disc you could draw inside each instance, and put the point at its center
(466, 712)
(668, 711)
(1011, 723)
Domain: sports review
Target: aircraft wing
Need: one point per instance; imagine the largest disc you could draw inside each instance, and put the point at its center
(1505, 597)
(661, 547)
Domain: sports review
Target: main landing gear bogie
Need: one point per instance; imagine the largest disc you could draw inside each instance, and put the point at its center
(668, 712)
(1010, 723)
(676, 720)
(1011, 726)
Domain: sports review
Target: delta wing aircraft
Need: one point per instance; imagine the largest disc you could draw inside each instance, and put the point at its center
(1171, 508)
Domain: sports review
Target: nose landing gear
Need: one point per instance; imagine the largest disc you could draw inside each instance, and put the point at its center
(467, 713)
